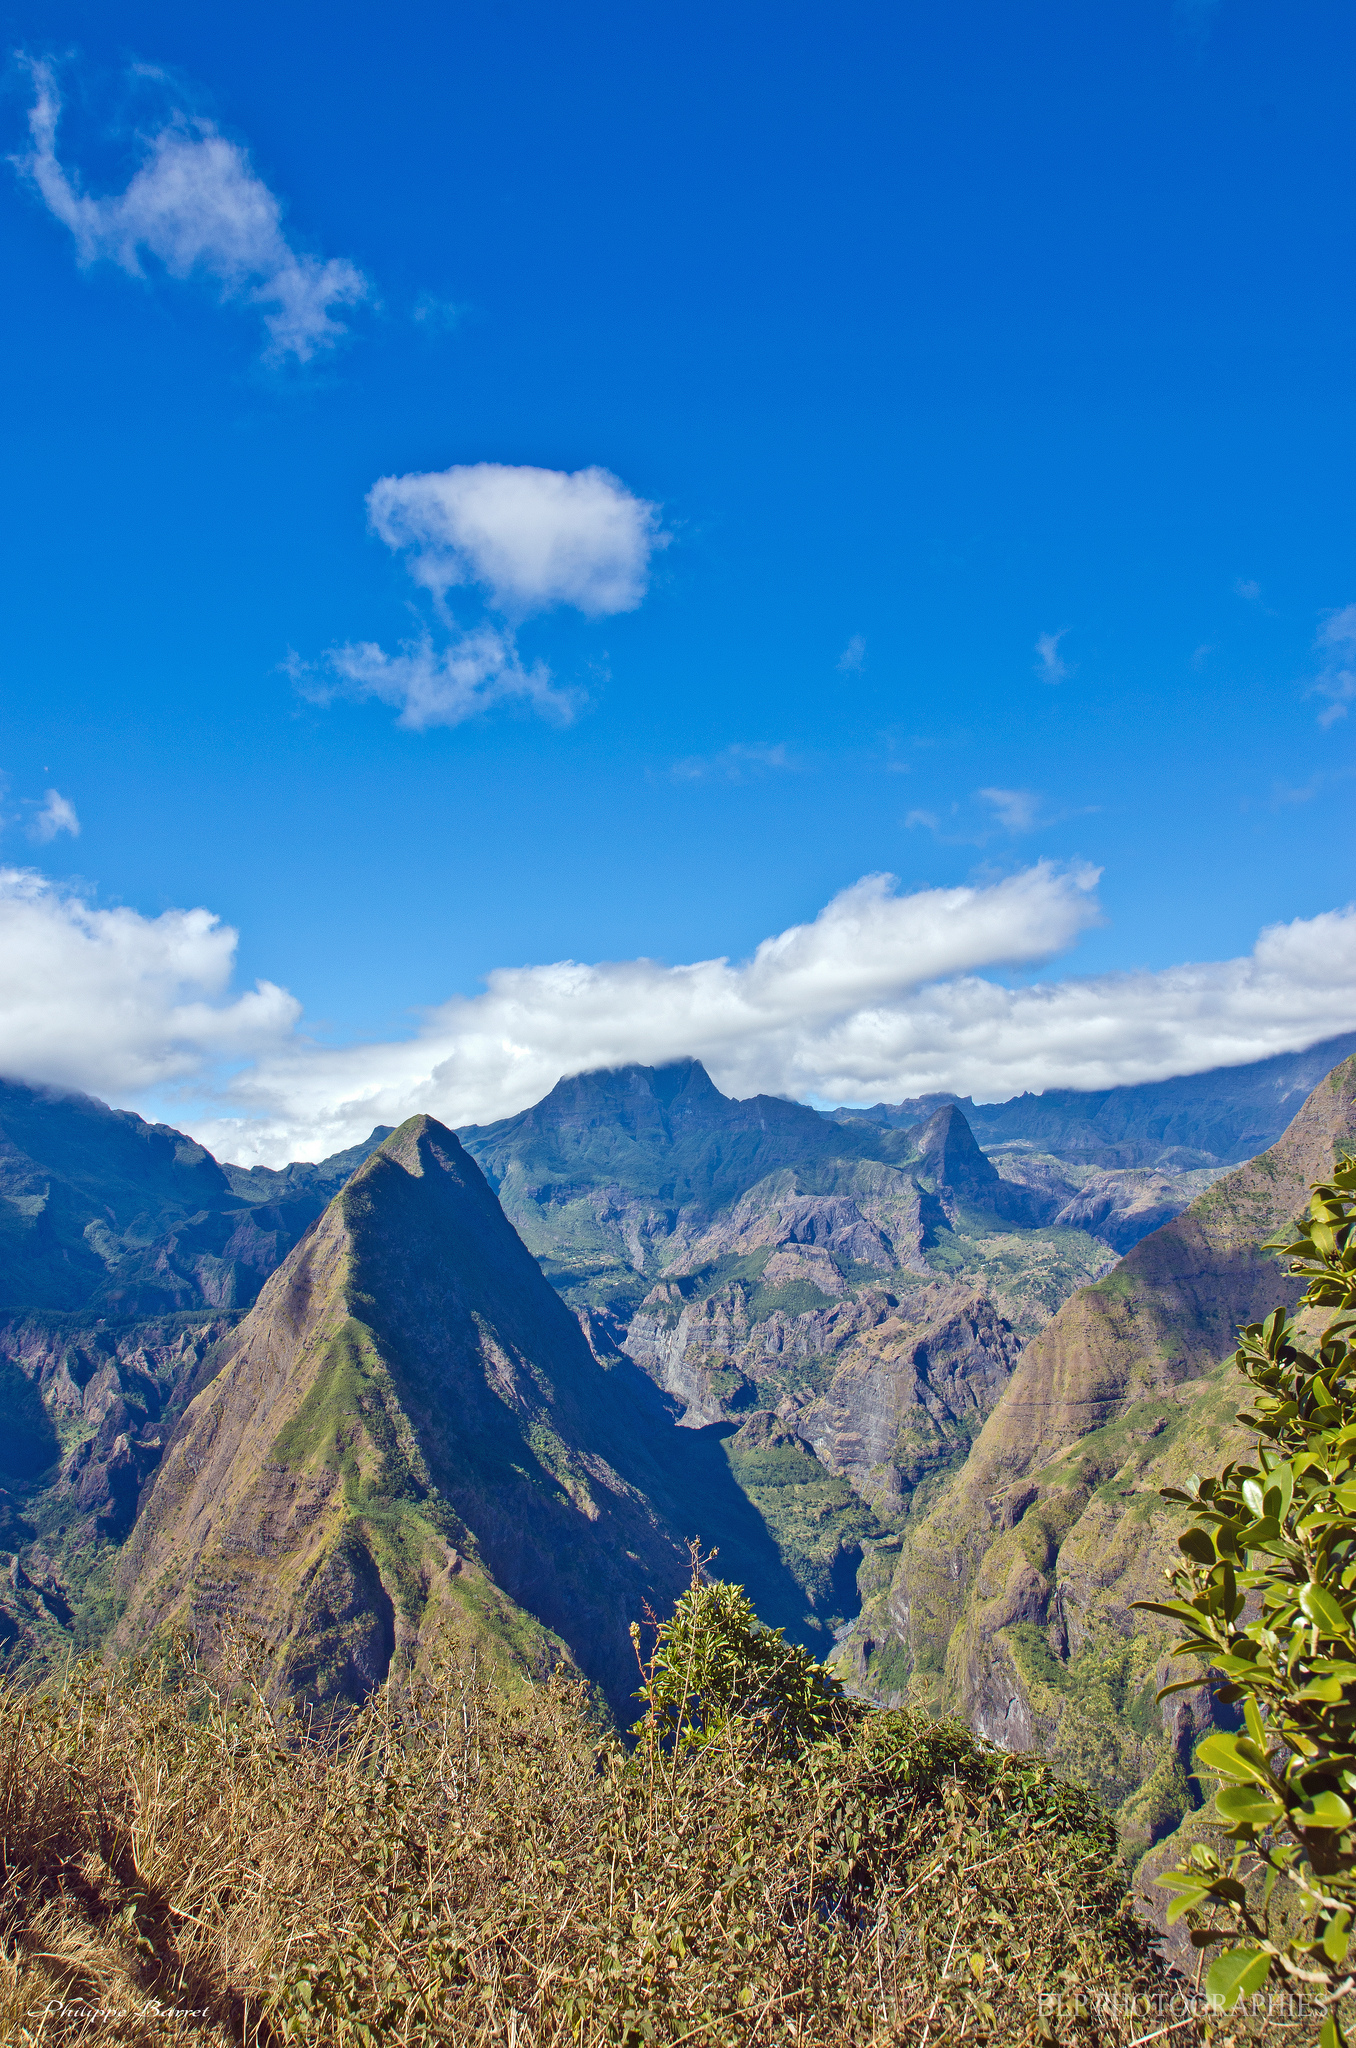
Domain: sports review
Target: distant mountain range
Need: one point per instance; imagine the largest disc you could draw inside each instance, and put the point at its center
(1213, 1119)
(892, 1364)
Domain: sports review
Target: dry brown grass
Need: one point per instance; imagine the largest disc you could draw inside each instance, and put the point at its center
(179, 1866)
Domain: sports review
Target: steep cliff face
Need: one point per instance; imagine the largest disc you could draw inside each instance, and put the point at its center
(408, 1435)
(1011, 1603)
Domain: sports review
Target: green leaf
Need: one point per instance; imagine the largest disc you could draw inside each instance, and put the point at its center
(1323, 1691)
(1247, 1805)
(1327, 1810)
(1279, 1493)
(1319, 1607)
(1336, 1937)
(1177, 1610)
(1236, 1974)
(1233, 1756)
(1195, 1543)
(1331, 2036)
(1253, 1495)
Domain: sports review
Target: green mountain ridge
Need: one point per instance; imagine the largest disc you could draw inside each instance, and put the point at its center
(1217, 1118)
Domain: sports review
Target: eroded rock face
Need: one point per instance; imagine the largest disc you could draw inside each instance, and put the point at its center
(877, 1224)
(919, 1382)
(111, 1393)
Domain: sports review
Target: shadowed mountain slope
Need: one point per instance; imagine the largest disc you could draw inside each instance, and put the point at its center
(1011, 1603)
(100, 1210)
(409, 1434)
(755, 1258)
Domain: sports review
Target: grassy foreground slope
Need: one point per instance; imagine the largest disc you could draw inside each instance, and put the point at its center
(1011, 1602)
(463, 1868)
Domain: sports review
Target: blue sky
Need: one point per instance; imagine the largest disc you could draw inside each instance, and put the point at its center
(933, 336)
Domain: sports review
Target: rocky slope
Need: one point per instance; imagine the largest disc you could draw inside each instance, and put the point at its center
(408, 1436)
(809, 1283)
(734, 1248)
(104, 1213)
(1011, 1600)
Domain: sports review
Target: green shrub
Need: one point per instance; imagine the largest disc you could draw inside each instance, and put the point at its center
(714, 1661)
(1267, 1592)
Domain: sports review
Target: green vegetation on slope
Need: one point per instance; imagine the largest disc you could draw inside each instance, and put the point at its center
(1054, 1525)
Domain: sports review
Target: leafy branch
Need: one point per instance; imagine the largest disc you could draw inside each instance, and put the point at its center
(1266, 1594)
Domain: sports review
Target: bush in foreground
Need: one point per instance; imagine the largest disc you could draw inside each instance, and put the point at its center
(461, 1868)
(1267, 1595)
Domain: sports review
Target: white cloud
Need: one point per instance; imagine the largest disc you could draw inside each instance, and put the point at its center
(1016, 809)
(56, 815)
(736, 763)
(1337, 671)
(437, 686)
(1050, 665)
(115, 1003)
(197, 206)
(881, 996)
(1248, 588)
(853, 657)
(756, 1023)
(926, 818)
(533, 538)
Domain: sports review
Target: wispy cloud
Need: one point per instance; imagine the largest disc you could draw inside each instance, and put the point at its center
(735, 763)
(435, 315)
(471, 673)
(1050, 665)
(196, 206)
(852, 660)
(1336, 680)
(927, 819)
(1248, 589)
(530, 539)
(56, 814)
(1015, 809)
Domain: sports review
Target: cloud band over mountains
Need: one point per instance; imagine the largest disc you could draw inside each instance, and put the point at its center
(880, 996)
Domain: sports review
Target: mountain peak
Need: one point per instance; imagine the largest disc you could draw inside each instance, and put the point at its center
(948, 1146)
(677, 1083)
(408, 1434)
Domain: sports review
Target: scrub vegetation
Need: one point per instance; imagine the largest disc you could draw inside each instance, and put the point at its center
(765, 1861)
